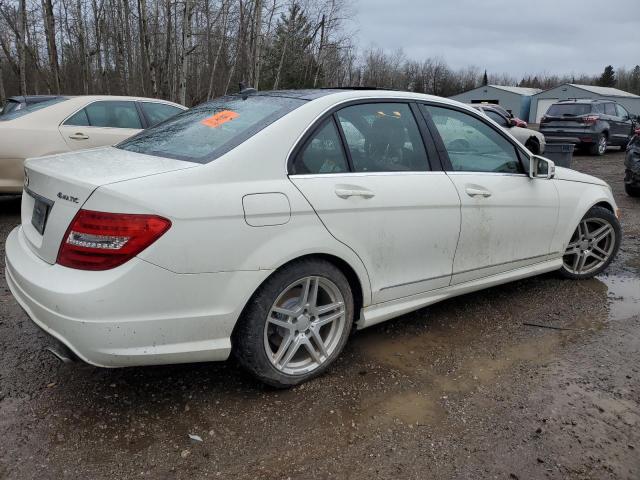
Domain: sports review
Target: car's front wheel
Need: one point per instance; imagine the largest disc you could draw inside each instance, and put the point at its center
(296, 324)
(593, 245)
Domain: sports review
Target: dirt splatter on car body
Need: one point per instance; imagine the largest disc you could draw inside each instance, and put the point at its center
(462, 389)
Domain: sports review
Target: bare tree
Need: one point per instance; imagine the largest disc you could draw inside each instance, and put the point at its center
(185, 49)
(22, 45)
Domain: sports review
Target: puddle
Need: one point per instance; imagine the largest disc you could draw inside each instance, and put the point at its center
(412, 408)
(624, 296)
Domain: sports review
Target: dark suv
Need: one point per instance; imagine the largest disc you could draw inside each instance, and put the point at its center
(592, 124)
(632, 166)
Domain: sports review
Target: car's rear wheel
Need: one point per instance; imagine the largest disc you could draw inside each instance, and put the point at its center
(593, 245)
(600, 147)
(296, 325)
(632, 191)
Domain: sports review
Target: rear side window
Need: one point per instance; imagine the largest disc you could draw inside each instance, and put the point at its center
(113, 114)
(210, 130)
(33, 107)
(610, 109)
(496, 117)
(383, 137)
(598, 108)
(79, 119)
(322, 153)
(568, 109)
(158, 112)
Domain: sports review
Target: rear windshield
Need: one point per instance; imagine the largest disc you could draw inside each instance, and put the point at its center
(569, 109)
(210, 130)
(32, 107)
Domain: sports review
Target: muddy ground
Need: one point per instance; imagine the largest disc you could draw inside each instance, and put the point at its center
(460, 390)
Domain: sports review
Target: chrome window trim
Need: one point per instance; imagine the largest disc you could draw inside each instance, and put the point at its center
(363, 174)
(498, 174)
(330, 110)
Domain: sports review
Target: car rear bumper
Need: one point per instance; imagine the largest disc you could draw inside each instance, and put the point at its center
(571, 137)
(136, 314)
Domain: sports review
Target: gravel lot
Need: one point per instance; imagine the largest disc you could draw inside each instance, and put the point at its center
(459, 390)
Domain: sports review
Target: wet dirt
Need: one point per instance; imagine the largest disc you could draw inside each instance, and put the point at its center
(536, 379)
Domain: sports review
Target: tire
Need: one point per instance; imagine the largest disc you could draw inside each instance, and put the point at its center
(276, 347)
(632, 190)
(593, 245)
(533, 146)
(600, 147)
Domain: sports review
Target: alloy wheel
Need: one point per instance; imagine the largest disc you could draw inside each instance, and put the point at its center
(602, 145)
(591, 246)
(304, 325)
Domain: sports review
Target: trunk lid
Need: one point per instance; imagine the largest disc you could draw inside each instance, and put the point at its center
(57, 186)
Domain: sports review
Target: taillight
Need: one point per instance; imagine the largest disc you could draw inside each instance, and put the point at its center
(101, 240)
(590, 119)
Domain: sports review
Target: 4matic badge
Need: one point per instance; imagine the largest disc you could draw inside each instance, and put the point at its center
(68, 198)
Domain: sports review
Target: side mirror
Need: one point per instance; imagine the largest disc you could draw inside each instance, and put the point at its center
(513, 122)
(540, 167)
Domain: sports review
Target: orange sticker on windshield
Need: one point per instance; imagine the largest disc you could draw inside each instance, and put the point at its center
(220, 118)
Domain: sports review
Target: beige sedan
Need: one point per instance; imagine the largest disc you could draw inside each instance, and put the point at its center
(64, 124)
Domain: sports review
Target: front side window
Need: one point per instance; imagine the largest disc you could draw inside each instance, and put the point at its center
(323, 152)
(383, 137)
(210, 130)
(158, 112)
(472, 145)
(113, 114)
(621, 111)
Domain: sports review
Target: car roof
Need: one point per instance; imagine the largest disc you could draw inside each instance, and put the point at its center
(355, 93)
(32, 98)
(584, 100)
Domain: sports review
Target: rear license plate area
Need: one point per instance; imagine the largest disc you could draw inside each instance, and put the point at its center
(41, 209)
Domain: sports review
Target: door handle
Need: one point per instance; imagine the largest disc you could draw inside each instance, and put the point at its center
(477, 192)
(351, 192)
(79, 136)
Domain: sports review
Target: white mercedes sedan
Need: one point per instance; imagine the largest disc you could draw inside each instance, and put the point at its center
(63, 123)
(270, 225)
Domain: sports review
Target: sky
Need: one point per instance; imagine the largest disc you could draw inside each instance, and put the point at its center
(506, 36)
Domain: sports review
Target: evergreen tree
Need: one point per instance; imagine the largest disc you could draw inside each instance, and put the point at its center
(290, 63)
(485, 79)
(608, 77)
(635, 80)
